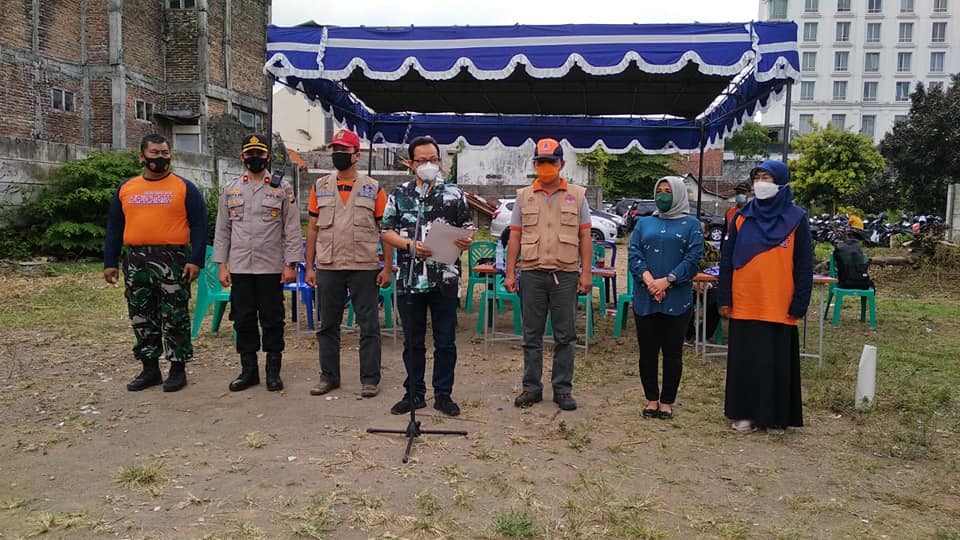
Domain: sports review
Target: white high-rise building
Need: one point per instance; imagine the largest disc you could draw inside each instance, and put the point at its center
(861, 59)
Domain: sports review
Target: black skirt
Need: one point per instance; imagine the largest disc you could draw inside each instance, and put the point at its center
(763, 374)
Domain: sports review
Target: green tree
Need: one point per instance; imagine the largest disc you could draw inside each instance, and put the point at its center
(833, 165)
(923, 149)
(631, 174)
(750, 142)
(68, 217)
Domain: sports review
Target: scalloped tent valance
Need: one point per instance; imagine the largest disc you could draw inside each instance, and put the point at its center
(616, 86)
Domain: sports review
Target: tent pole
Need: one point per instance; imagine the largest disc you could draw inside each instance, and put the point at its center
(786, 122)
(703, 144)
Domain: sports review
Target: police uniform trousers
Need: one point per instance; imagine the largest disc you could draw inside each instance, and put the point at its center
(157, 300)
(253, 298)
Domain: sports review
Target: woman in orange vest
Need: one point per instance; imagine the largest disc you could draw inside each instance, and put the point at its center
(766, 275)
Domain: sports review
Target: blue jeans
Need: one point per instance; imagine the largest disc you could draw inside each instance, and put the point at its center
(413, 317)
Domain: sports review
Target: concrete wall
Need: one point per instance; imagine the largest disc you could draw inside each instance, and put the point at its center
(496, 165)
(25, 165)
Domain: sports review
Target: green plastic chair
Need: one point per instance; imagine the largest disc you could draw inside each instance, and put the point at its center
(867, 296)
(387, 296)
(600, 254)
(502, 296)
(623, 304)
(209, 293)
(478, 251)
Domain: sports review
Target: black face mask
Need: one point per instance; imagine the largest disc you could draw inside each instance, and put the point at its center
(255, 164)
(157, 165)
(342, 160)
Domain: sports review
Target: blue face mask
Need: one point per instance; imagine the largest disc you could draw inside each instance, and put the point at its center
(741, 198)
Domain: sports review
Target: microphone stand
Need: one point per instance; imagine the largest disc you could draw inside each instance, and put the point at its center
(413, 426)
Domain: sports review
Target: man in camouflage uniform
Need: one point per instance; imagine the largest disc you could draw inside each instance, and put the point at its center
(156, 214)
(435, 285)
(258, 233)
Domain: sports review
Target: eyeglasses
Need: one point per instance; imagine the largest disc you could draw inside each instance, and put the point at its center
(424, 161)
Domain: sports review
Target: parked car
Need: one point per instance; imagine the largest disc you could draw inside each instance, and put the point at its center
(638, 209)
(601, 228)
(646, 207)
(715, 227)
(621, 207)
(617, 220)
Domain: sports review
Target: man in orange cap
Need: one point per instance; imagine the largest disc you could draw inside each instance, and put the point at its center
(550, 231)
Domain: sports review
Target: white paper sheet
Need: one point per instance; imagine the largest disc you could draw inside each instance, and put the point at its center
(440, 240)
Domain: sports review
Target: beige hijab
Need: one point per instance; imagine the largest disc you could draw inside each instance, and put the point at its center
(681, 201)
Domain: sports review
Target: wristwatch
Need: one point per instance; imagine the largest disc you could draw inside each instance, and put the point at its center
(671, 278)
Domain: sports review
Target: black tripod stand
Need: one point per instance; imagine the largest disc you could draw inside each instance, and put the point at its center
(413, 427)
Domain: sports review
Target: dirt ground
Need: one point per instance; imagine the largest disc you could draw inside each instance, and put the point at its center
(80, 457)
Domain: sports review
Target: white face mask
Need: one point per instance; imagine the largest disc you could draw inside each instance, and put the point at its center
(765, 190)
(428, 172)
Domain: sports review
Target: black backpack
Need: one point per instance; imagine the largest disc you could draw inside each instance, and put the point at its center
(851, 266)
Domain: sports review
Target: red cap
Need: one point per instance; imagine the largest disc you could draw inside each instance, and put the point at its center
(345, 137)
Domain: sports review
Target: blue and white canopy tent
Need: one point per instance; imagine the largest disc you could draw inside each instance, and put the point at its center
(663, 88)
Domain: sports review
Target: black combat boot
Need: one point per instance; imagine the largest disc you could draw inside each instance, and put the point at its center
(249, 372)
(176, 378)
(274, 382)
(149, 376)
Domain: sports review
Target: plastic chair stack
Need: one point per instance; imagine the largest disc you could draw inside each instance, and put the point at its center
(209, 294)
(478, 252)
(307, 296)
(867, 297)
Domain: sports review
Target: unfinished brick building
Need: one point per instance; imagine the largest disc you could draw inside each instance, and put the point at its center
(103, 73)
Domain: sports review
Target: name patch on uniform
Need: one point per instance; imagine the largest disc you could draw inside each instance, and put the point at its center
(234, 191)
(325, 194)
(152, 198)
(367, 191)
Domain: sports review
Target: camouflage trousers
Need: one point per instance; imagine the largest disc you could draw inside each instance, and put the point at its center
(158, 300)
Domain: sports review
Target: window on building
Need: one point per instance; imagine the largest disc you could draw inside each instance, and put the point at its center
(939, 6)
(811, 6)
(874, 6)
(187, 138)
(808, 61)
(838, 121)
(906, 6)
(936, 61)
(939, 34)
(841, 60)
(873, 32)
(839, 90)
(903, 62)
(843, 5)
(870, 91)
(903, 91)
(182, 4)
(871, 62)
(806, 90)
(900, 118)
(810, 31)
(62, 100)
(806, 123)
(906, 32)
(868, 124)
(778, 9)
(935, 84)
(843, 31)
(144, 110)
(250, 120)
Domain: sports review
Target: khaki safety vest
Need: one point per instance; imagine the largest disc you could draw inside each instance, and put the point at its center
(550, 238)
(347, 234)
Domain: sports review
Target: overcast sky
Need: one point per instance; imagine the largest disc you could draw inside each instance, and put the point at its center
(496, 12)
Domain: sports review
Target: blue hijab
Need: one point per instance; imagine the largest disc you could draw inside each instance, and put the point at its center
(768, 221)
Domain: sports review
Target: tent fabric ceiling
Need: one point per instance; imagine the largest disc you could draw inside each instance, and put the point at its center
(590, 82)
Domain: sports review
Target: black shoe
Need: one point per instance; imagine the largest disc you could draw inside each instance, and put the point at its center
(249, 373)
(527, 399)
(149, 376)
(650, 413)
(274, 382)
(447, 406)
(403, 406)
(665, 415)
(176, 378)
(565, 401)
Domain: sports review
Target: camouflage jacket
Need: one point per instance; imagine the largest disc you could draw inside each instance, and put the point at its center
(445, 202)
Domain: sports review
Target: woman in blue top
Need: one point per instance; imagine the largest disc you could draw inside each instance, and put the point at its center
(664, 256)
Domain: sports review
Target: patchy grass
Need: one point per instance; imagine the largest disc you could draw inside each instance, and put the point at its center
(321, 517)
(49, 522)
(255, 439)
(150, 478)
(514, 524)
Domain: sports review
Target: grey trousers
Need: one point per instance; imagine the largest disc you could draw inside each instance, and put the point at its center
(539, 292)
(332, 288)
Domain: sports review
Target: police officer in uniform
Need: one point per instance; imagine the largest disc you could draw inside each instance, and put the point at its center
(257, 246)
